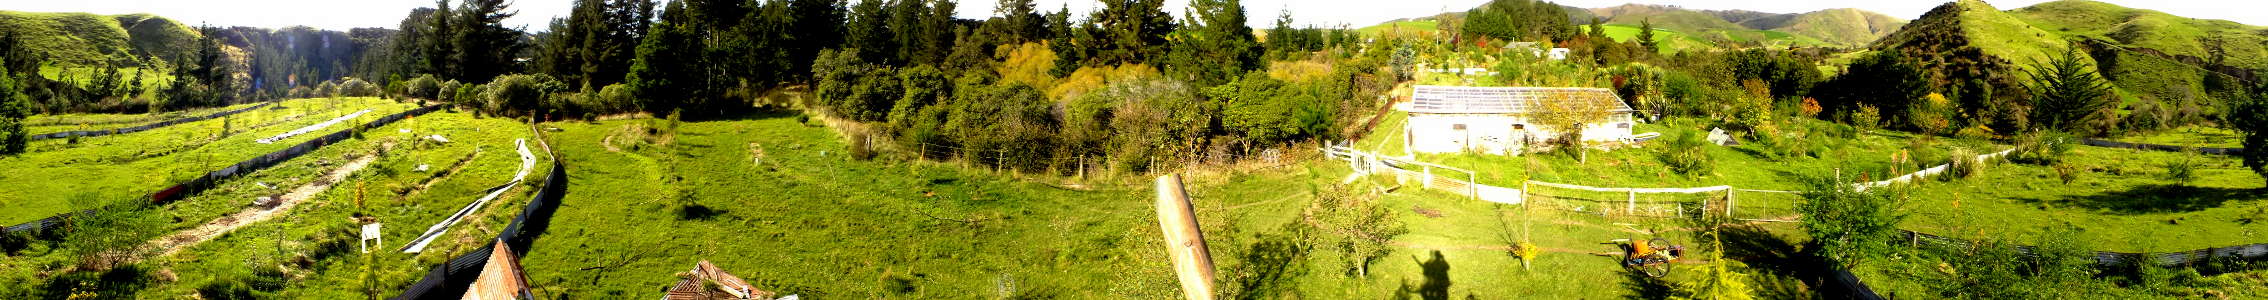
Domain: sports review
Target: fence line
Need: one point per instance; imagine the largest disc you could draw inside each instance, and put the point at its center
(527, 162)
(2156, 147)
(212, 179)
(312, 127)
(145, 127)
(2110, 258)
(450, 279)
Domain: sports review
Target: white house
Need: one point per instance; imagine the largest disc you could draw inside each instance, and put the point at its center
(1496, 119)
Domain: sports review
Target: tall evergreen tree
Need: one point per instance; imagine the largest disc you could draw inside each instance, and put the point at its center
(1133, 31)
(1223, 45)
(438, 41)
(1018, 21)
(1646, 36)
(818, 25)
(2067, 93)
(14, 106)
(869, 31)
(669, 73)
(485, 49)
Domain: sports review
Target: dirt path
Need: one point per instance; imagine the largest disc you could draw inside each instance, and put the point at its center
(179, 240)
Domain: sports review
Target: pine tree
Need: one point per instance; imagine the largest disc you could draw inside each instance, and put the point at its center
(668, 72)
(1646, 36)
(818, 25)
(485, 49)
(2067, 92)
(1132, 31)
(869, 31)
(1223, 46)
(437, 42)
(14, 107)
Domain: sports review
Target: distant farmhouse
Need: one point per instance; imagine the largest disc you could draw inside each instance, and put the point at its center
(1497, 119)
(1538, 50)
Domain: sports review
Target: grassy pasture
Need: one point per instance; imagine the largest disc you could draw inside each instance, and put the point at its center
(2191, 136)
(36, 271)
(318, 244)
(45, 181)
(43, 124)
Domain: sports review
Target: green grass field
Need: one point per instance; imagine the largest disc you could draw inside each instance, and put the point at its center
(42, 124)
(2191, 136)
(318, 244)
(1409, 26)
(37, 270)
(48, 178)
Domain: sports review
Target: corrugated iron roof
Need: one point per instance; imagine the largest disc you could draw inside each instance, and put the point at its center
(1443, 99)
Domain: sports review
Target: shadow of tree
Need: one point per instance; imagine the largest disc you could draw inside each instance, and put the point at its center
(1787, 272)
(1270, 267)
(1644, 287)
(2152, 199)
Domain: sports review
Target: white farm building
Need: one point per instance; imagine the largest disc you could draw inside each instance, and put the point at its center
(1497, 119)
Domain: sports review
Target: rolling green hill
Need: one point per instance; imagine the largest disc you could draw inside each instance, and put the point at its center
(78, 39)
(1975, 23)
(2150, 29)
(1841, 26)
(1833, 27)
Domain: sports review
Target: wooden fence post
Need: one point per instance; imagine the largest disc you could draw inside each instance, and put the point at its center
(1729, 193)
(1185, 242)
(1633, 210)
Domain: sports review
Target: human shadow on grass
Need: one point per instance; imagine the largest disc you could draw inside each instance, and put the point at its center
(2153, 199)
(1436, 270)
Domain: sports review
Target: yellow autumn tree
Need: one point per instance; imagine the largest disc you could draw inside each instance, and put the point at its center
(1028, 63)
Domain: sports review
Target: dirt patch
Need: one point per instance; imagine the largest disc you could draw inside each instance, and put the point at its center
(175, 242)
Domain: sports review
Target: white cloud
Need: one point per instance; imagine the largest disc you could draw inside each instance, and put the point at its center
(536, 14)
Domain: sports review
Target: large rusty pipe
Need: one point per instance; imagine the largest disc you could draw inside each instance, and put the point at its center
(1183, 240)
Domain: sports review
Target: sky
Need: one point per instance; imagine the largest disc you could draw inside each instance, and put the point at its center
(536, 14)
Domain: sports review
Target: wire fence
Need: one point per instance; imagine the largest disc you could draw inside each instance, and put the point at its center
(144, 127)
(212, 179)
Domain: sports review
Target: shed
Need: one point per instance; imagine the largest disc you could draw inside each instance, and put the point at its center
(1498, 119)
(501, 278)
(706, 281)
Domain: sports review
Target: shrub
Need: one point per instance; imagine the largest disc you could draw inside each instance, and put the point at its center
(2044, 148)
(354, 87)
(511, 94)
(1961, 163)
(1848, 225)
(1922, 153)
(2182, 170)
(422, 87)
(1867, 117)
(1687, 153)
(613, 99)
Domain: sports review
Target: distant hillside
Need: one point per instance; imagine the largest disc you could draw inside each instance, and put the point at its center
(2149, 56)
(1841, 26)
(78, 39)
(2173, 36)
(1972, 23)
(1835, 27)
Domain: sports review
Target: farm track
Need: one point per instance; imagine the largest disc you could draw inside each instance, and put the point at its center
(173, 243)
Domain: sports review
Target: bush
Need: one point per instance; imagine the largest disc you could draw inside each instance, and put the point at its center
(1687, 153)
(354, 87)
(2046, 148)
(1961, 163)
(516, 93)
(2182, 170)
(422, 87)
(1848, 225)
